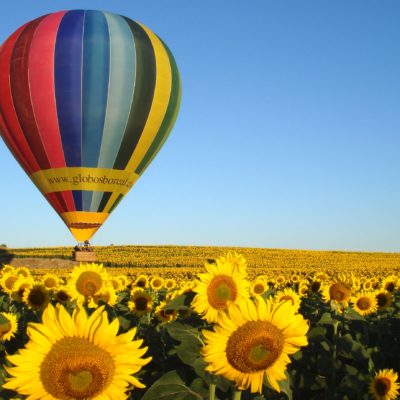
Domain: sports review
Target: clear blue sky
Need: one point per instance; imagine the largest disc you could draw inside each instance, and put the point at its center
(288, 134)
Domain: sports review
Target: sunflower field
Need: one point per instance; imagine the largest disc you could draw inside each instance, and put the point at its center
(227, 329)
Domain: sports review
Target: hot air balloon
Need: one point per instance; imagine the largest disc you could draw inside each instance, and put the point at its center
(87, 99)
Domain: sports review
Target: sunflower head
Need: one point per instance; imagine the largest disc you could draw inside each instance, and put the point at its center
(62, 296)
(51, 281)
(170, 283)
(217, 289)
(236, 260)
(19, 287)
(303, 290)
(367, 284)
(8, 326)
(87, 280)
(164, 315)
(384, 299)
(157, 282)
(295, 278)
(384, 385)
(280, 281)
(7, 281)
(142, 281)
(76, 357)
(390, 284)
(7, 268)
(320, 276)
(338, 291)
(24, 271)
(258, 287)
(140, 302)
(107, 295)
(252, 341)
(364, 303)
(36, 297)
(290, 295)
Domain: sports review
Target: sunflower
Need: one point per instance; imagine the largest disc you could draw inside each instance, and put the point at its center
(116, 283)
(295, 278)
(164, 315)
(356, 283)
(141, 281)
(140, 302)
(156, 282)
(339, 291)
(375, 283)
(123, 279)
(170, 283)
(7, 268)
(51, 281)
(258, 287)
(20, 285)
(8, 326)
(384, 385)
(36, 297)
(303, 290)
(253, 341)
(384, 299)
(62, 296)
(390, 283)
(24, 271)
(107, 295)
(7, 281)
(290, 295)
(364, 303)
(217, 289)
(76, 357)
(235, 259)
(280, 280)
(86, 280)
(367, 285)
(320, 276)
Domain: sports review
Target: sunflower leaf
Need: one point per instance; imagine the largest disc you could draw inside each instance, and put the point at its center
(171, 387)
(286, 387)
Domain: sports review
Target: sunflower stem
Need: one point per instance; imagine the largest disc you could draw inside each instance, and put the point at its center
(211, 391)
(237, 394)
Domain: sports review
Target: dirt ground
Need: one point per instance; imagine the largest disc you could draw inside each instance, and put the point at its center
(46, 263)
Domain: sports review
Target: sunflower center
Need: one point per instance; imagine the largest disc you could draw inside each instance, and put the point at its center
(220, 291)
(50, 282)
(315, 286)
(156, 283)
(141, 304)
(259, 288)
(254, 346)
(339, 292)
(286, 298)
(363, 303)
(382, 386)
(37, 298)
(390, 286)
(9, 282)
(382, 299)
(5, 327)
(76, 369)
(62, 296)
(88, 283)
(141, 283)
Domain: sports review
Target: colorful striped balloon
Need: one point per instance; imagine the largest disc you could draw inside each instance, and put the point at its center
(87, 99)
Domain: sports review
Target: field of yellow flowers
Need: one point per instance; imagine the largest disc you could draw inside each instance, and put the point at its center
(201, 323)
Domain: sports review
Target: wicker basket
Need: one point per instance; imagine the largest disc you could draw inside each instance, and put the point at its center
(86, 256)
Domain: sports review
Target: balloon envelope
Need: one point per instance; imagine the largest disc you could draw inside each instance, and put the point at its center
(87, 99)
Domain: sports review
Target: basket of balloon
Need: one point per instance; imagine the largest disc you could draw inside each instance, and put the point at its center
(84, 253)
